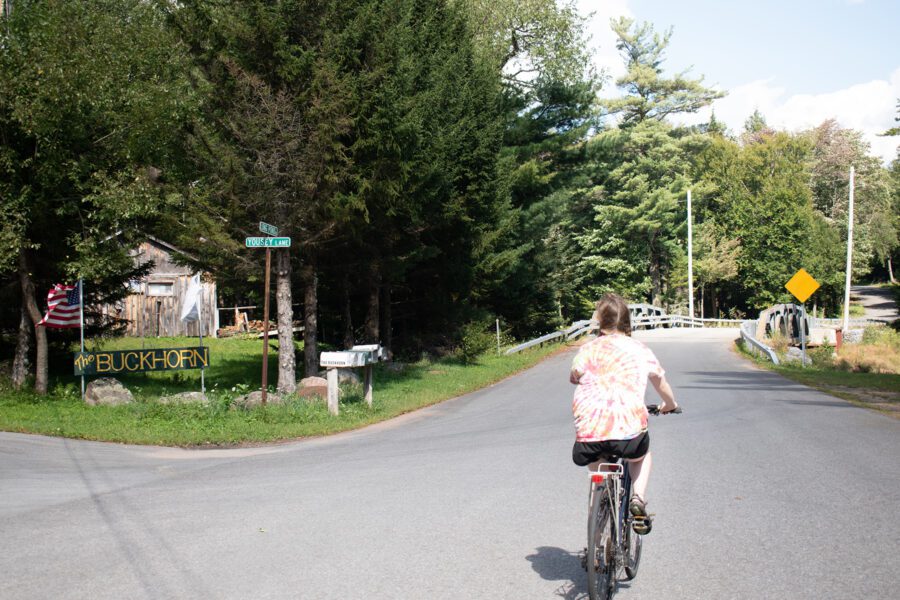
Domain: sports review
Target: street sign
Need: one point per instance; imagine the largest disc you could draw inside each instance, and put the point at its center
(268, 229)
(802, 285)
(268, 242)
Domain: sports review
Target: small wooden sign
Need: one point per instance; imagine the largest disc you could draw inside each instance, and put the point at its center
(136, 361)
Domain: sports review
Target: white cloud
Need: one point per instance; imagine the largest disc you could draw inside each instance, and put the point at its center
(603, 40)
(867, 107)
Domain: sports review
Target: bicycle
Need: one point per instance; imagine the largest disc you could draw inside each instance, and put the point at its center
(613, 553)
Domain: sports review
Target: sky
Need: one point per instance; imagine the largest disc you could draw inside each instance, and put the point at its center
(799, 62)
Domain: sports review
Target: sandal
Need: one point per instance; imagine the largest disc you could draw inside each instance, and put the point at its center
(641, 524)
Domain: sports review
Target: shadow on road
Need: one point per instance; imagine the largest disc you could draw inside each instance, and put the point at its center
(556, 564)
(732, 380)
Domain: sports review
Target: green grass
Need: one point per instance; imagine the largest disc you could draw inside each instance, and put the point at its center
(235, 369)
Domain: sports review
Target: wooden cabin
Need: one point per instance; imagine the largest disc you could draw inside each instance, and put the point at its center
(153, 308)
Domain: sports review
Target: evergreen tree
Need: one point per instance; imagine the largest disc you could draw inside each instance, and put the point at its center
(649, 95)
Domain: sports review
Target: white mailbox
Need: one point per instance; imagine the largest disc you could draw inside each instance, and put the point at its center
(342, 360)
(364, 355)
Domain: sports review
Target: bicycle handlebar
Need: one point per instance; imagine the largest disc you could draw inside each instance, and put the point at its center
(654, 409)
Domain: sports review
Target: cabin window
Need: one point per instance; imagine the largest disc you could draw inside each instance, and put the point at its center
(161, 288)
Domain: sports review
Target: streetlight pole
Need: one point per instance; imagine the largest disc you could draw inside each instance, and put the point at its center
(690, 253)
(846, 325)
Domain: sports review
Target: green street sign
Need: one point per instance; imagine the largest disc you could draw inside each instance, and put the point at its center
(268, 242)
(268, 229)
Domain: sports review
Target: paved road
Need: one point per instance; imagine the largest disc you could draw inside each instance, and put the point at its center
(762, 489)
(878, 302)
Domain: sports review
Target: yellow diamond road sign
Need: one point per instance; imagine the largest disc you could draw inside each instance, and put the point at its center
(802, 285)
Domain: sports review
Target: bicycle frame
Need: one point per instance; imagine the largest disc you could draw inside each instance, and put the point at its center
(616, 477)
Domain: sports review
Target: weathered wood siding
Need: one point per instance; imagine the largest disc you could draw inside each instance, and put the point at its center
(149, 314)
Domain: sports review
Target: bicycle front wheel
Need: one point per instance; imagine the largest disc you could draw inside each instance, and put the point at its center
(601, 548)
(633, 544)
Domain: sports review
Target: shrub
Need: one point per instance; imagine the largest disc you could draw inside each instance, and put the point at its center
(475, 340)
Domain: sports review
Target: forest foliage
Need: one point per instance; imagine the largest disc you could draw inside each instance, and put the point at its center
(439, 164)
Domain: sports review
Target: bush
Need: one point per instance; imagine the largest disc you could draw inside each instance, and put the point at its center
(475, 340)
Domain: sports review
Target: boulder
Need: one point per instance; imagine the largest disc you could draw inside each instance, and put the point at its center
(794, 354)
(184, 398)
(255, 399)
(313, 391)
(108, 392)
(346, 376)
(853, 336)
(312, 382)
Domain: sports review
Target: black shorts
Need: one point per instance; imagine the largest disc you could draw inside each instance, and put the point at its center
(584, 453)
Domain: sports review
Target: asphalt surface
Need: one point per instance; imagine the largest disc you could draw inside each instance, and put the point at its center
(878, 302)
(761, 489)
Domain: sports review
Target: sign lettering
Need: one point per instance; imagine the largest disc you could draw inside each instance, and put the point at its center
(135, 361)
(267, 242)
(268, 229)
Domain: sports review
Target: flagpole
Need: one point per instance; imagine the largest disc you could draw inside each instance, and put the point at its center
(200, 328)
(81, 313)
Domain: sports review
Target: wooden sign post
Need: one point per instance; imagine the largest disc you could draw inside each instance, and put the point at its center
(268, 243)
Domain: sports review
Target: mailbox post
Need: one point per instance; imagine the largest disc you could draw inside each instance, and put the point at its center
(358, 356)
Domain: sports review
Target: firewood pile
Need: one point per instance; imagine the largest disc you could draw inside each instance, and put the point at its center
(246, 326)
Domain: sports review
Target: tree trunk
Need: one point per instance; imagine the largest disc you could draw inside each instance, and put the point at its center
(287, 362)
(702, 289)
(23, 347)
(348, 315)
(386, 321)
(310, 322)
(40, 333)
(371, 332)
(655, 276)
(890, 270)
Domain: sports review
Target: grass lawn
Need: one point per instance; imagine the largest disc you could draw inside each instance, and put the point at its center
(872, 390)
(235, 369)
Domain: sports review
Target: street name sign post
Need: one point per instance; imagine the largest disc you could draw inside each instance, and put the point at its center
(268, 243)
(802, 286)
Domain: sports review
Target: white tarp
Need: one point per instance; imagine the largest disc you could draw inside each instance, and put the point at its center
(190, 310)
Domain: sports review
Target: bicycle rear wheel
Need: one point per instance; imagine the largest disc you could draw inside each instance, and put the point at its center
(601, 548)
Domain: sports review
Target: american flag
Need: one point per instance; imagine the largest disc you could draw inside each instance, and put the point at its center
(63, 307)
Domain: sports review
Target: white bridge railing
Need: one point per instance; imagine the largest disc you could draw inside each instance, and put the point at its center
(643, 316)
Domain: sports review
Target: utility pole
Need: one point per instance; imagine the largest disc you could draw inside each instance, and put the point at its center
(846, 325)
(690, 254)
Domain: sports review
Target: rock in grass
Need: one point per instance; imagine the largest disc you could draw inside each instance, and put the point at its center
(312, 388)
(254, 399)
(345, 376)
(313, 391)
(312, 382)
(107, 391)
(184, 398)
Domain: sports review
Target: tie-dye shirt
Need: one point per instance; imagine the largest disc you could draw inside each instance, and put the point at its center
(609, 398)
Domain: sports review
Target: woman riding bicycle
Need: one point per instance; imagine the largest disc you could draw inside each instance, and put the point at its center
(611, 373)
